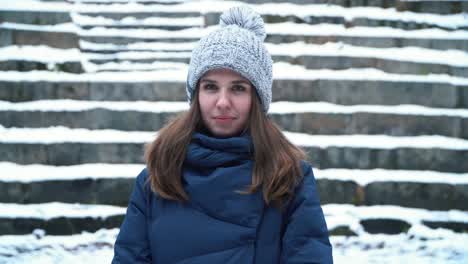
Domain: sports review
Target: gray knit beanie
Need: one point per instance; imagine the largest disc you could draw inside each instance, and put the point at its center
(237, 45)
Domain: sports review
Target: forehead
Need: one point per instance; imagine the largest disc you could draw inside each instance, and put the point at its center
(223, 73)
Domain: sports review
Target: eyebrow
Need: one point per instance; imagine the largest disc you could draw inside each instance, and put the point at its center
(235, 82)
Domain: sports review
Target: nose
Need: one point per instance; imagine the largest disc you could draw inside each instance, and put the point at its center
(223, 102)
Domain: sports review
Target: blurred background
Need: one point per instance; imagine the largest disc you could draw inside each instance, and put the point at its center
(376, 92)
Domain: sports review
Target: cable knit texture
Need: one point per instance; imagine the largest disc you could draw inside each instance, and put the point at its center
(237, 44)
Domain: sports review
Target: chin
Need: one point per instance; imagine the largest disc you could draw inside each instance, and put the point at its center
(224, 133)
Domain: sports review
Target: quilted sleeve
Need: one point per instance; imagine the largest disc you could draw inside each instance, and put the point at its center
(305, 238)
(132, 244)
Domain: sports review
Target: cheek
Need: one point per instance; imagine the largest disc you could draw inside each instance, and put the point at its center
(245, 107)
(204, 104)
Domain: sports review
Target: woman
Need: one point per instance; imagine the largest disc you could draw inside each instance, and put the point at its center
(222, 183)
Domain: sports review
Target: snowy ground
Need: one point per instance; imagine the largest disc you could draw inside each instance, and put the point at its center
(418, 246)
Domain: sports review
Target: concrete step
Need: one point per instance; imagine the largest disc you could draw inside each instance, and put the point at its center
(291, 83)
(125, 66)
(61, 36)
(130, 22)
(112, 184)
(23, 66)
(150, 16)
(107, 48)
(350, 16)
(360, 220)
(33, 58)
(35, 17)
(330, 55)
(65, 35)
(142, 2)
(419, 242)
(379, 37)
(420, 6)
(287, 32)
(312, 118)
(86, 247)
(370, 14)
(408, 60)
(139, 57)
(139, 15)
(65, 146)
(438, 7)
(58, 218)
(67, 219)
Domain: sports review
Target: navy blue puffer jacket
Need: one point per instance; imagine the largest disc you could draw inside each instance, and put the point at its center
(219, 225)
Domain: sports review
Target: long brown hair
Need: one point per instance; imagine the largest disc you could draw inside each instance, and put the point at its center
(276, 170)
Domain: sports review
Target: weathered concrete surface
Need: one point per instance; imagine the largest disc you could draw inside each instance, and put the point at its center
(436, 159)
(386, 65)
(385, 226)
(345, 92)
(87, 191)
(57, 226)
(310, 123)
(116, 191)
(23, 66)
(34, 17)
(432, 196)
(377, 42)
(61, 40)
(213, 19)
(425, 6)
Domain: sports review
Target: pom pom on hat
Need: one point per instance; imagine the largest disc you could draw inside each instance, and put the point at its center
(244, 17)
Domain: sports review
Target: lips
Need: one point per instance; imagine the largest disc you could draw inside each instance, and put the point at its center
(224, 118)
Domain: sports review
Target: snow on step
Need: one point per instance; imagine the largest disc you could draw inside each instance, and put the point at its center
(41, 248)
(12, 172)
(183, 50)
(280, 107)
(168, 46)
(350, 215)
(83, 20)
(290, 28)
(281, 70)
(334, 49)
(419, 245)
(51, 210)
(364, 177)
(331, 49)
(376, 141)
(129, 66)
(286, 28)
(60, 134)
(142, 55)
(281, 9)
(351, 13)
(61, 28)
(336, 214)
(39, 53)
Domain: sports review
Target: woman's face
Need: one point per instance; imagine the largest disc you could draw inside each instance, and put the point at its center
(225, 99)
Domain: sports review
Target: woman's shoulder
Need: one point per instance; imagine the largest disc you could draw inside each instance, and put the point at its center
(307, 184)
(306, 169)
(143, 181)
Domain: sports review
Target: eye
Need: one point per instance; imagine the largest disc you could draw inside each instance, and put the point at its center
(238, 88)
(209, 87)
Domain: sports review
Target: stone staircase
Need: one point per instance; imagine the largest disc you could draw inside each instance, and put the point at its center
(376, 92)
